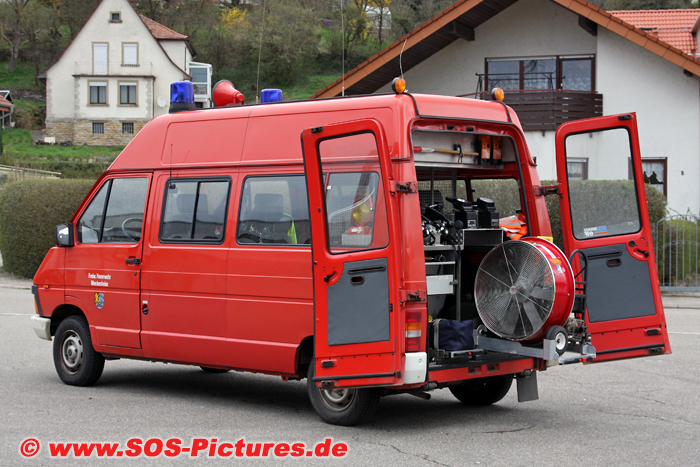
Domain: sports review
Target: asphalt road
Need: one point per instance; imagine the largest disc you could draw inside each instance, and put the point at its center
(636, 412)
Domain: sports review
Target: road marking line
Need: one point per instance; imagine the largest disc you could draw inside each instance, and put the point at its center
(15, 314)
(687, 333)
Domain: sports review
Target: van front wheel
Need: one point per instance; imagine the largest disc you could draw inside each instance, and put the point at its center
(482, 391)
(76, 361)
(341, 406)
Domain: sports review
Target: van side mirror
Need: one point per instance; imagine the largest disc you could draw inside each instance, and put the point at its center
(65, 235)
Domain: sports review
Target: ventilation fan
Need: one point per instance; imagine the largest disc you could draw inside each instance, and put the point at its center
(523, 288)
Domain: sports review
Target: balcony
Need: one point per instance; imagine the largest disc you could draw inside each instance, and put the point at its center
(547, 109)
(542, 108)
(88, 68)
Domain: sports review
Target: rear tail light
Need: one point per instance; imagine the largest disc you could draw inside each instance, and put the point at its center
(414, 327)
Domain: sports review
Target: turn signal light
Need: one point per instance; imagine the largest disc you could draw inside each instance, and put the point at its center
(398, 85)
(498, 95)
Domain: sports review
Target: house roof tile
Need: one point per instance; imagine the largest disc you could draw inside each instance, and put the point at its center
(675, 27)
(5, 105)
(161, 32)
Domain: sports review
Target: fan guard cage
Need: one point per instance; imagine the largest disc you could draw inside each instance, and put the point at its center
(515, 290)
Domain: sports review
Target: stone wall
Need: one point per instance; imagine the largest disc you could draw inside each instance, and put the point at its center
(79, 132)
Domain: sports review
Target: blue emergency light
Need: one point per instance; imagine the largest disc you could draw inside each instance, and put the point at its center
(270, 95)
(181, 96)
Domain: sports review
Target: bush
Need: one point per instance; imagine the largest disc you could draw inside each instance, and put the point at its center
(29, 213)
(677, 242)
(507, 200)
(597, 195)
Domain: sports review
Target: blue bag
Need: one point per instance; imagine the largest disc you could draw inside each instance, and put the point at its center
(452, 335)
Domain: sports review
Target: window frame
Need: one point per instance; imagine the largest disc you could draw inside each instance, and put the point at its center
(124, 45)
(656, 160)
(111, 16)
(559, 59)
(129, 84)
(191, 241)
(133, 128)
(108, 185)
(578, 160)
(94, 71)
(98, 84)
(98, 123)
(240, 208)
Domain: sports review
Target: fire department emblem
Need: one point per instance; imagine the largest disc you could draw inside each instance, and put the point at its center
(99, 300)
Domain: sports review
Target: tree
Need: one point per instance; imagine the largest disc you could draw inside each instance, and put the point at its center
(74, 13)
(13, 14)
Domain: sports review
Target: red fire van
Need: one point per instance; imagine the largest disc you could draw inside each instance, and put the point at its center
(361, 243)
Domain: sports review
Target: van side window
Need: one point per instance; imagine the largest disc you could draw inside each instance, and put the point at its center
(115, 214)
(274, 209)
(195, 210)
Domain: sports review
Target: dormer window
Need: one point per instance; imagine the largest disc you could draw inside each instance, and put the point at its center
(115, 17)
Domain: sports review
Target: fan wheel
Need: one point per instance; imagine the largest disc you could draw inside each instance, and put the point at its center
(522, 288)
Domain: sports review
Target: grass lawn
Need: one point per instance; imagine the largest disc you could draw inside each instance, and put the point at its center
(17, 147)
(21, 78)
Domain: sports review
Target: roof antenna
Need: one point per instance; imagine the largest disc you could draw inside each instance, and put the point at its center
(401, 56)
(262, 28)
(342, 33)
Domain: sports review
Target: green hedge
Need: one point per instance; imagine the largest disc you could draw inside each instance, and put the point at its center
(29, 213)
(597, 194)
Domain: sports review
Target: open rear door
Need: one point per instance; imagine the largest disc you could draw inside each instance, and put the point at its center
(606, 218)
(355, 265)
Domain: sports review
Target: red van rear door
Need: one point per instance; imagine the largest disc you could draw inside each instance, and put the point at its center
(604, 215)
(354, 245)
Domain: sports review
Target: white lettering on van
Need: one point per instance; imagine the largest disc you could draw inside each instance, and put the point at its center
(102, 278)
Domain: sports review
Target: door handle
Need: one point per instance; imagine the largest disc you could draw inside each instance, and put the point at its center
(132, 260)
(328, 277)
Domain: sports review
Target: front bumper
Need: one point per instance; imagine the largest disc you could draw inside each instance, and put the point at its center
(42, 327)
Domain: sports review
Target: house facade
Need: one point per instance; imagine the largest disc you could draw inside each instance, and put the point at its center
(115, 77)
(558, 60)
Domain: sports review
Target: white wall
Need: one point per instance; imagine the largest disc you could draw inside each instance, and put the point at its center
(667, 104)
(630, 78)
(68, 96)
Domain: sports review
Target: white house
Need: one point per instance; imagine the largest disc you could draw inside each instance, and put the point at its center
(115, 76)
(558, 60)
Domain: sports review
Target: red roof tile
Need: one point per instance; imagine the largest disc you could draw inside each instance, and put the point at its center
(5, 105)
(674, 27)
(159, 31)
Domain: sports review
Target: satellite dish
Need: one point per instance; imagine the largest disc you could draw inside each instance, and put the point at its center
(162, 102)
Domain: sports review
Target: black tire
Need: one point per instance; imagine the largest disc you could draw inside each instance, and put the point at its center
(76, 361)
(344, 407)
(214, 370)
(482, 391)
(560, 337)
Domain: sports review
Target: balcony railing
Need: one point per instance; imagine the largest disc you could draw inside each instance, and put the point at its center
(113, 69)
(547, 109)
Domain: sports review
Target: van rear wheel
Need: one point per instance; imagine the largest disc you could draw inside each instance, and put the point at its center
(482, 391)
(76, 361)
(341, 406)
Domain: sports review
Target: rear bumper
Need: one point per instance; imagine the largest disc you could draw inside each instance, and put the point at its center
(42, 327)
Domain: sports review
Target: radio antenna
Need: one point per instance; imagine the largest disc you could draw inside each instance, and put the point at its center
(342, 33)
(401, 56)
(262, 28)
